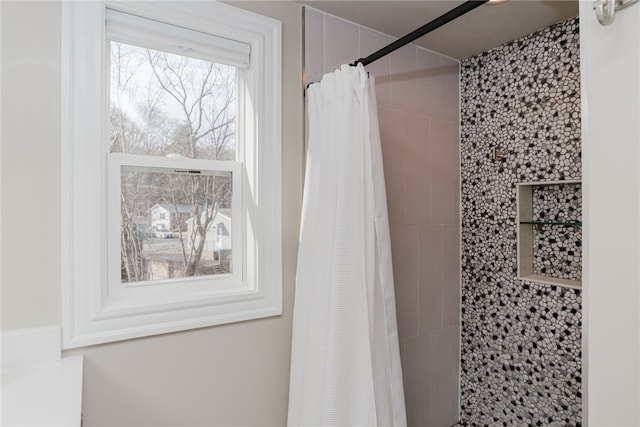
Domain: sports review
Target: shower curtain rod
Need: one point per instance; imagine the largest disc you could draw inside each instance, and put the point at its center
(454, 13)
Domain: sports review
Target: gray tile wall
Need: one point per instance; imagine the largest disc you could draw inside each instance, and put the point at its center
(418, 105)
(521, 341)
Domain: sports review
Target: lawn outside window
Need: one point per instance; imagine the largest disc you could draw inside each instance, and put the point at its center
(171, 168)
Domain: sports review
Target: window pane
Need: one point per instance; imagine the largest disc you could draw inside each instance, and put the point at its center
(171, 224)
(163, 104)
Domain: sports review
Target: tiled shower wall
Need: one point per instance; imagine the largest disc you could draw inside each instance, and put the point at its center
(418, 105)
(521, 341)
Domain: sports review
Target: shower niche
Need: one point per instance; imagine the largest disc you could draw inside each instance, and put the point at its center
(549, 218)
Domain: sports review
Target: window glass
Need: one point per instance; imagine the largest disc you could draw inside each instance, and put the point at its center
(163, 104)
(170, 222)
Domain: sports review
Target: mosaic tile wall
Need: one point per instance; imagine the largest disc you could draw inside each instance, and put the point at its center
(521, 341)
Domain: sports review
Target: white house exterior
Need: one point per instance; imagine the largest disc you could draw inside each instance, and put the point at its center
(218, 237)
(173, 217)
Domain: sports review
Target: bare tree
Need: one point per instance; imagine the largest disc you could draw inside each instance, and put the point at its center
(205, 97)
(207, 195)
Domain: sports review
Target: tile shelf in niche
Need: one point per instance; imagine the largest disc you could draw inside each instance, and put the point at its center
(563, 223)
(539, 278)
(548, 254)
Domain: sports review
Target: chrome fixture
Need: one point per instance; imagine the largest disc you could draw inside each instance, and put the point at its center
(497, 154)
(606, 9)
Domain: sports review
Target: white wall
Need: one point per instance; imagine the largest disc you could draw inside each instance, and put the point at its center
(611, 154)
(227, 375)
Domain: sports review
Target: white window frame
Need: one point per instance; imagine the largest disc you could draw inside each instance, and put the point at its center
(92, 312)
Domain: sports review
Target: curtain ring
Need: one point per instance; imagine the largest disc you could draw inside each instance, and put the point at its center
(605, 11)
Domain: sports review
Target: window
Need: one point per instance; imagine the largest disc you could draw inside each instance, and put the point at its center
(171, 159)
(222, 229)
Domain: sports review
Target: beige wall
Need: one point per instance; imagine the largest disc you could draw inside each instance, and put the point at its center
(611, 158)
(417, 94)
(30, 166)
(228, 375)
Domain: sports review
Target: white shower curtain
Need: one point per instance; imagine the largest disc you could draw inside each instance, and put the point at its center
(345, 359)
